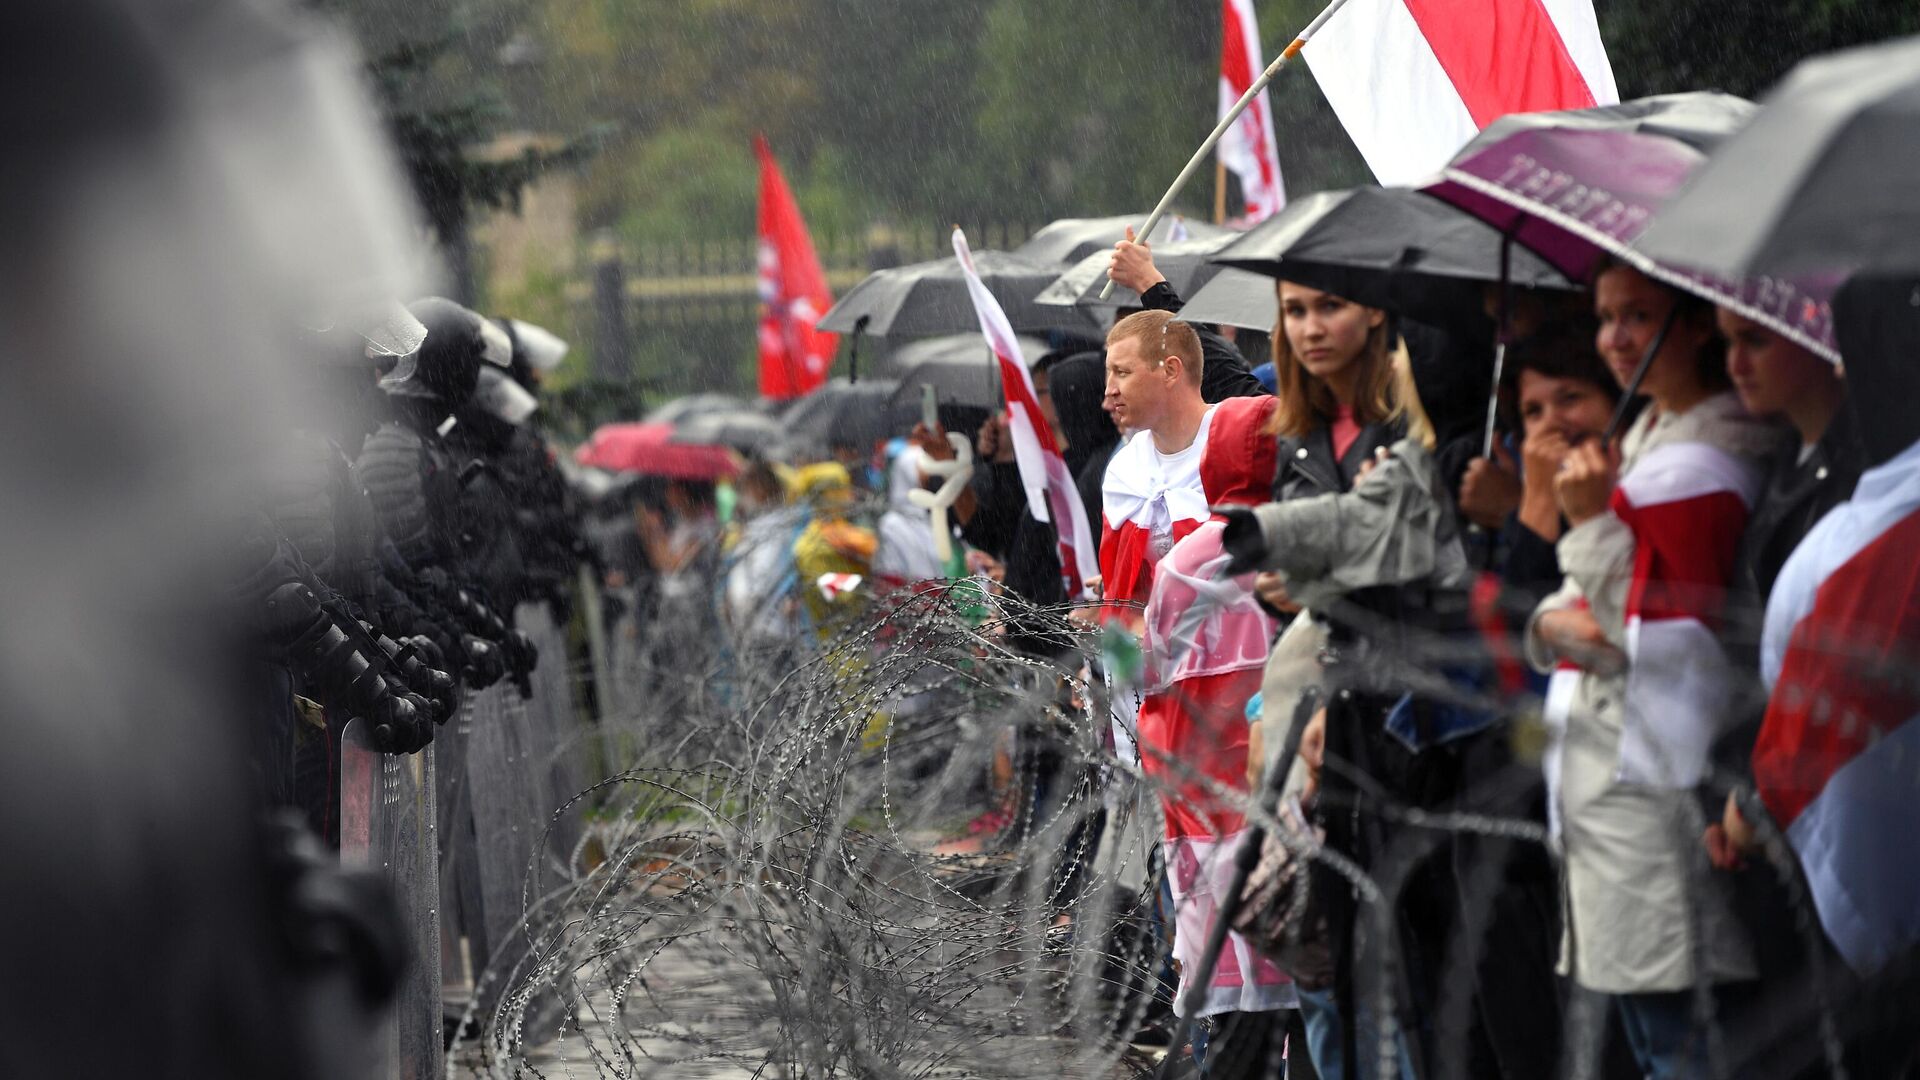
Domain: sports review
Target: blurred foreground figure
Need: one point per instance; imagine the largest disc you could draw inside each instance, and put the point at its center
(190, 182)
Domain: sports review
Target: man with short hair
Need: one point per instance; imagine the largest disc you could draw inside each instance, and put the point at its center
(1152, 496)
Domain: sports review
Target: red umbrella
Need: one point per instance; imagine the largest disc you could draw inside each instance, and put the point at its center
(649, 449)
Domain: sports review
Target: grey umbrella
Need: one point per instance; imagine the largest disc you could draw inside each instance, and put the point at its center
(1235, 298)
(1388, 248)
(842, 413)
(745, 430)
(930, 298)
(690, 405)
(1069, 240)
(1823, 181)
(1183, 263)
(959, 367)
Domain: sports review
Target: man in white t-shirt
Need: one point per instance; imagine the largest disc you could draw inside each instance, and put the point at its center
(1152, 496)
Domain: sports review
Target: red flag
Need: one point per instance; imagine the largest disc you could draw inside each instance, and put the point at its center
(794, 357)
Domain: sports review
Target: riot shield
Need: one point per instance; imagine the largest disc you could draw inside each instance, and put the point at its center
(388, 822)
(507, 790)
(560, 744)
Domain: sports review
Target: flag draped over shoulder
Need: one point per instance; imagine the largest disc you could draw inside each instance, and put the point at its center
(794, 357)
(1248, 147)
(1413, 80)
(1144, 494)
(1837, 761)
(1051, 494)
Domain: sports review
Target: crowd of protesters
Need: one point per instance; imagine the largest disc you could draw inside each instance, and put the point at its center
(1433, 606)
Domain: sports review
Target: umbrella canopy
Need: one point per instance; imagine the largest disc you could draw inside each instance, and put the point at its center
(1583, 193)
(744, 430)
(649, 448)
(960, 367)
(1826, 179)
(1235, 298)
(1388, 248)
(1182, 262)
(680, 408)
(930, 298)
(1067, 241)
(842, 413)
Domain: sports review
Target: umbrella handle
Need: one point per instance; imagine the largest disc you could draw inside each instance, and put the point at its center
(1227, 121)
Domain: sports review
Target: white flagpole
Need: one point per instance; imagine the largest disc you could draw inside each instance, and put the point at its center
(1233, 114)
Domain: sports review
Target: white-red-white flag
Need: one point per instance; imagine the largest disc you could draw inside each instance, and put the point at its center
(1248, 148)
(1051, 494)
(1413, 80)
(794, 357)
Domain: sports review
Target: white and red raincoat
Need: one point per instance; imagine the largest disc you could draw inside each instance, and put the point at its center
(1628, 749)
(1206, 652)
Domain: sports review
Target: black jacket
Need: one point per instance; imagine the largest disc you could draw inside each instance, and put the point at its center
(1797, 495)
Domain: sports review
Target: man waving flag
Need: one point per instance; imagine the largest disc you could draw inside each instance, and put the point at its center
(1413, 80)
(794, 357)
(1051, 494)
(1248, 147)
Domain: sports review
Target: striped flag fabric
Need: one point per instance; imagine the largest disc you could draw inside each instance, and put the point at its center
(794, 357)
(1051, 494)
(1687, 503)
(1413, 80)
(1837, 761)
(1248, 148)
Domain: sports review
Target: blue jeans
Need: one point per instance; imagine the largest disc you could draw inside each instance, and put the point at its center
(1321, 1015)
(1660, 1030)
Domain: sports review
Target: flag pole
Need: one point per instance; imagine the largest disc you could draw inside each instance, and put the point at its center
(1233, 114)
(1219, 191)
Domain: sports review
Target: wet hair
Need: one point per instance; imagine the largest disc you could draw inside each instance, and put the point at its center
(1710, 364)
(1307, 402)
(1161, 334)
(1562, 349)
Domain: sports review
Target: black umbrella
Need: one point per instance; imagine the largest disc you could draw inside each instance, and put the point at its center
(690, 405)
(930, 298)
(959, 367)
(1824, 180)
(1069, 240)
(842, 413)
(1389, 248)
(1182, 262)
(1235, 298)
(745, 430)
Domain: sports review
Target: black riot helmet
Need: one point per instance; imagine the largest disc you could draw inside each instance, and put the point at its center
(447, 367)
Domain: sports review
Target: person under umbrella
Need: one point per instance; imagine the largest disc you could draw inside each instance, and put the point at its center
(1640, 685)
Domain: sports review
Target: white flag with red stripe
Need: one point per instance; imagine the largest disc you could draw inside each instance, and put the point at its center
(1051, 494)
(1413, 80)
(1248, 147)
(1837, 762)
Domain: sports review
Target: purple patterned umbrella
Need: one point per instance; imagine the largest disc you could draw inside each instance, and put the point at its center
(1579, 194)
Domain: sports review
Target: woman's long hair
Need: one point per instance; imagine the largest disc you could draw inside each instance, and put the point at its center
(1307, 402)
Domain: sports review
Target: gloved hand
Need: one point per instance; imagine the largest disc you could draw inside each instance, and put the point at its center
(1242, 539)
(401, 723)
(522, 658)
(484, 664)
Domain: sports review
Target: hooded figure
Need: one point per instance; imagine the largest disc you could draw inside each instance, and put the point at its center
(1206, 648)
(1077, 384)
(906, 553)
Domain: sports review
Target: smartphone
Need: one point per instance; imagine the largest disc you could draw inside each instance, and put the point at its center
(930, 406)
